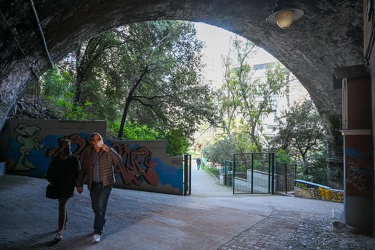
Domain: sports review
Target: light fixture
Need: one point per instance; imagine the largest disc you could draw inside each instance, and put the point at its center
(284, 14)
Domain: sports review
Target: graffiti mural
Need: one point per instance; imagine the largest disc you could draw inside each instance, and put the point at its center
(137, 165)
(310, 190)
(78, 144)
(358, 172)
(27, 143)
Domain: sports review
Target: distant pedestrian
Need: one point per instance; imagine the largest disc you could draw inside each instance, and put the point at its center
(62, 174)
(198, 163)
(98, 163)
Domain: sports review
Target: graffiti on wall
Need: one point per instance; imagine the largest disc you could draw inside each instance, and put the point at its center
(312, 190)
(31, 145)
(137, 164)
(357, 172)
(78, 145)
(27, 142)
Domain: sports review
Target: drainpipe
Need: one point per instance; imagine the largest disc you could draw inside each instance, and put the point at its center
(42, 34)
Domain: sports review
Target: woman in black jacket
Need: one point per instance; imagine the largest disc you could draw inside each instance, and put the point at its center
(62, 174)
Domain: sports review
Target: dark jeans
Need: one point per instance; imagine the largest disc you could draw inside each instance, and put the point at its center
(63, 213)
(99, 199)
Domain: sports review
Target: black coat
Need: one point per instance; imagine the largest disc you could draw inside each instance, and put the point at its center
(63, 174)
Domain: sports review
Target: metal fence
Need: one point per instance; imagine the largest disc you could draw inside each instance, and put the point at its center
(258, 173)
(285, 174)
(253, 173)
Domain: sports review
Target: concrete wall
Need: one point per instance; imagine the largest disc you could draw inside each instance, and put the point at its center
(27, 146)
(145, 167)
(306, 189)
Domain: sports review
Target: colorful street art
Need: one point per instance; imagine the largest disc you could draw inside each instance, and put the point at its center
(137, 165)
(310, 190)
(31, 146)
(358, 172)
(27, 143)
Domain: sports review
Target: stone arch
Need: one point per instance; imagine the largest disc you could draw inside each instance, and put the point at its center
(330, 34)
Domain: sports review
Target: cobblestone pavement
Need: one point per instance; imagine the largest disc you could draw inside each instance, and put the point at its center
(211, 218)
(299, 231)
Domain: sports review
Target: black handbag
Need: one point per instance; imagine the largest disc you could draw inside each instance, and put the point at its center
(51, 191)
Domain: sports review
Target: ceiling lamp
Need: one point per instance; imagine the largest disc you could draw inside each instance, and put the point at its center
(284, 14)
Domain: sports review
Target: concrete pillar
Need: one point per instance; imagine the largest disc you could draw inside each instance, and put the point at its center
(358, 149)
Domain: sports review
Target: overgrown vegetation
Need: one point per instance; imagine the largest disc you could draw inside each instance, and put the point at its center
(245, 100)
(144, 79)
(302, 135)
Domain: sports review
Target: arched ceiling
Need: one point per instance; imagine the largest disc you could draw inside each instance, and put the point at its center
(329, 35)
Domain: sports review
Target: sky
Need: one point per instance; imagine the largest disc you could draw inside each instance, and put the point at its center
(217, 43)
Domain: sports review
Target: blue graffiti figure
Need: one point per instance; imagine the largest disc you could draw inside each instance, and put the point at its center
(27, 144)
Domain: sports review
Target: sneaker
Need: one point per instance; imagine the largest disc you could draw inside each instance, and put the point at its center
(58, 236)
(96, 238)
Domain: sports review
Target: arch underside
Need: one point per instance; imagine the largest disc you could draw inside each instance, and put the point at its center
(329, 35)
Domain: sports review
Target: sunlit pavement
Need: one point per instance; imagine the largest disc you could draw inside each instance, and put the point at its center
(210, 218)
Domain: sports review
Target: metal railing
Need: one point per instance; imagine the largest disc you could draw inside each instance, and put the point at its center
(253, 173)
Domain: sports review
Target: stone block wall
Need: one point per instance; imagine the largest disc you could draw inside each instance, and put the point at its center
(310, 190)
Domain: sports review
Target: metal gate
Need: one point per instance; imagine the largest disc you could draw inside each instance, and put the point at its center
(187, 174)
(253, 173)
(285, 174)
(227, 173)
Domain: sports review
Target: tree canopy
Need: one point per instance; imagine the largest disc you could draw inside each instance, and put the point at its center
(246, 98)
(145, 73)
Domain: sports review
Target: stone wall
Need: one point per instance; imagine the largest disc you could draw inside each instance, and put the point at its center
(329, 34)
(310, 190)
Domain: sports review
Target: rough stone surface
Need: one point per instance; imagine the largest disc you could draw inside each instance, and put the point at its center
(34, 107)
(329, 35)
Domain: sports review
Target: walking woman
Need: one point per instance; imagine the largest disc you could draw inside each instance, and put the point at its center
(62, 174)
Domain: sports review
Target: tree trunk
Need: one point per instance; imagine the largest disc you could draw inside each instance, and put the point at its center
(128, 100)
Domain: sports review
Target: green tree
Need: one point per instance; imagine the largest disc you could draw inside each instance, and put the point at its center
(91, 56)
(220, 150)
(247, 97)
(177, 143)
(165, 84)
(302, 134)
(57, 87)
(151, 71)
(55, 84)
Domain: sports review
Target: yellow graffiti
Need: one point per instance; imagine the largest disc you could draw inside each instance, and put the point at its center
(337, 196)
(319, 193)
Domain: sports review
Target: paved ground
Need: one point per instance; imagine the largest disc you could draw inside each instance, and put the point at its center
(211, 218)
